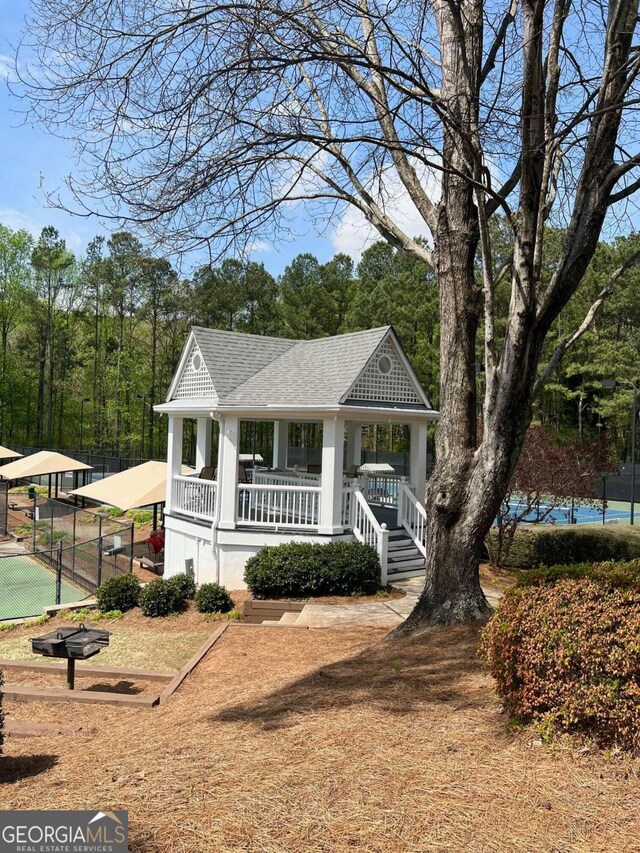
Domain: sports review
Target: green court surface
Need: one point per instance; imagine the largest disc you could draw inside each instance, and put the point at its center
(28, 584)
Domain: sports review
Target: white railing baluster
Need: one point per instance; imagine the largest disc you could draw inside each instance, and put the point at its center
(279, 505)
(195, 497)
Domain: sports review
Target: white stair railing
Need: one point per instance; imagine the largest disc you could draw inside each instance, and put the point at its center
(367, 529)
(413, 517)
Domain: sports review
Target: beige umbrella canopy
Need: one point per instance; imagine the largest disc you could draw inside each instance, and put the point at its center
(143, 485)
(41, 464)
(7, 453)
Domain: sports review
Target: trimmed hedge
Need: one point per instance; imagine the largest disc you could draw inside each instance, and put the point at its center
(161, 598)
(213, 598)
(185, 585)
(563, 647)
(121, 592)
(302, 569)
(550, 545)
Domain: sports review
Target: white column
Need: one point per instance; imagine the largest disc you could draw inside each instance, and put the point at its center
(228, 470)
(418, 459)
(331, 485)
(174, 455)
(354, 443)
(203, 443)
(280, 443)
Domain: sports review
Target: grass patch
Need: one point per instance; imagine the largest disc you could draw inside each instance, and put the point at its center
(128, 647)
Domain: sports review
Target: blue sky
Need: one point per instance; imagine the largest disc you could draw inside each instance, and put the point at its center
(31, 158)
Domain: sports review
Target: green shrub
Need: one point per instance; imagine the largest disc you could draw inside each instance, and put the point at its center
(160, 598)
(140, 516)
(111, 511)
(550, 545)
(184, 584)
(110, 615)
(301, 569)
(563, 647)
(610, 575)
(213, 598)
(119, 593)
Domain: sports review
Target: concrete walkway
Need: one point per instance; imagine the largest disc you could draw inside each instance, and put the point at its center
(384, 614)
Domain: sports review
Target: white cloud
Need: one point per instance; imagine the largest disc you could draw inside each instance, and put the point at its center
(16, 220)
(7, 69)
(257, 246)
(354, 234)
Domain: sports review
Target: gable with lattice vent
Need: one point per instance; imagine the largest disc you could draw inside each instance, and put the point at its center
(195, 382)
(385, 380)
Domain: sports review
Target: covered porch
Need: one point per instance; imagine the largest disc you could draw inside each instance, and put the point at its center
(232, 490)
(236, 488)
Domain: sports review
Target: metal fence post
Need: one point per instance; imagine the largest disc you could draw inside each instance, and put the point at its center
(99, 550)
(59, 574)
(35, 515)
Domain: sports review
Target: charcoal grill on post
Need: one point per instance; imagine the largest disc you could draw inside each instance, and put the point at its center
(72, 644)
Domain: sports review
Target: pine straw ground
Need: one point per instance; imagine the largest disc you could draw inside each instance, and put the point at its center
(308, 741)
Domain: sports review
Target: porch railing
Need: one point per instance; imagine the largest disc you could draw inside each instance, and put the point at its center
(264, 477)
(413, 517)
(278, 505)
(195, 497)
(381, 488)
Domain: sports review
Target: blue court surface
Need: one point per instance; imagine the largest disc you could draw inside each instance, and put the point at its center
(581, 514)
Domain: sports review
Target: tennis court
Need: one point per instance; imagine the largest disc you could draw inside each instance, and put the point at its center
(27, 584)
(564, 514)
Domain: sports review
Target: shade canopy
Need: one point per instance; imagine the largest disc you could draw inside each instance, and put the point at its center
(7, 453)
(142, 485)
(40, 465)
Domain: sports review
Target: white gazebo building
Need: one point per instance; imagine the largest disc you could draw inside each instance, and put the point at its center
(218, 517)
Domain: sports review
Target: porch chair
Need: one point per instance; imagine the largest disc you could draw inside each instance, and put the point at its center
(155, 561)
(314, 469)
(207, 473)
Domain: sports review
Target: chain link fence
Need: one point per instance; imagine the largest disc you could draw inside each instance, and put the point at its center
(62, 554)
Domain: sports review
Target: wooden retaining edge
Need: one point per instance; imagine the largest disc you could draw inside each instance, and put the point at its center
(89, 671)
(18, 729)
(259, 609)
(262, 625)
(51, 694)
(191, 664)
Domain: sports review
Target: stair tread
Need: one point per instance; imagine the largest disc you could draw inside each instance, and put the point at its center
(289, 618)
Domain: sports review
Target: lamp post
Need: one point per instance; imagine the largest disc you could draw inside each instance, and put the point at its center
(614, 383)
(143, 397)
(82, 402)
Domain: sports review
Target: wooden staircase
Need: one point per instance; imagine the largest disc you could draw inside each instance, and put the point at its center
(404, 559)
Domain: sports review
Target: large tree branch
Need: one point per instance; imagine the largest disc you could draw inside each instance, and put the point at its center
(567, 342)
(499, 40)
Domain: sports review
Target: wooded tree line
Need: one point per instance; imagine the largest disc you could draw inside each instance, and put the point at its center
(90, 343)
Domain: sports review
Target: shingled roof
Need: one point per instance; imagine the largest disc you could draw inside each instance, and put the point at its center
(247, 371)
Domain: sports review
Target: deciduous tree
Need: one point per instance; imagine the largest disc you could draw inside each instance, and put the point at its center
(209, 122)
